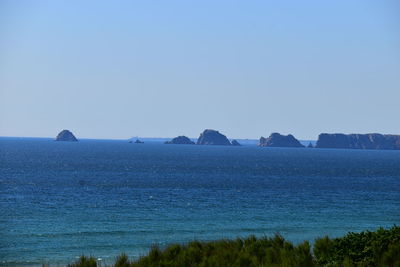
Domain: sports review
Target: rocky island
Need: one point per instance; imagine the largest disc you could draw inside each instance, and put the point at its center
(213, 137)
(180, 140)
(358, 141)
(279, 140)
(66, 135)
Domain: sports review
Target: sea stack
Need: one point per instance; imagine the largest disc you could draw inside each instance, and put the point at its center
(66, 135)
(235, 143)
(278, 140)
(212, 137)
(358, 141)
(180, 140)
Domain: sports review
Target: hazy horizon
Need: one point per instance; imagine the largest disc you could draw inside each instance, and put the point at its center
(113, 70)
(165, 138)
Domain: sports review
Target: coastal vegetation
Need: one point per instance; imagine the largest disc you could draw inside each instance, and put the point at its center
(378, 248)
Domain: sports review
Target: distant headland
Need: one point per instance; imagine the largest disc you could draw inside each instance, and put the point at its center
(358, 141)
(337, 140)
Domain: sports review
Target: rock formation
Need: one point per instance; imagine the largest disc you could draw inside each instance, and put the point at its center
(235, 143)
(358, 141)
(310, 145)
(66, 135)
(278, 140)
(180, 140)
(212, 137)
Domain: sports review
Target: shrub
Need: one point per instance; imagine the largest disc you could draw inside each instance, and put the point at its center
(379, 248)
(84, 261)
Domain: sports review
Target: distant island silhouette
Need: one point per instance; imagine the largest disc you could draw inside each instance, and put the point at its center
(180, 140)
(373, 141)
(66, 135)
(213, 137)
(278, 140)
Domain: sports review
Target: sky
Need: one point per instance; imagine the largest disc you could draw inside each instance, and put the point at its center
(117, 69)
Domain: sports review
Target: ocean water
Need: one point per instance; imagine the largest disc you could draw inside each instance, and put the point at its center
(59, 200)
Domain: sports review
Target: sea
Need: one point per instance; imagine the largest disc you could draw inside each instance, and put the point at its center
(60, 200)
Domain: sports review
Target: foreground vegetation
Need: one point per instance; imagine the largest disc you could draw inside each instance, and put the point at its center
(379, 248)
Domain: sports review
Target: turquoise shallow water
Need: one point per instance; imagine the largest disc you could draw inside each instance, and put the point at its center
(60, 200)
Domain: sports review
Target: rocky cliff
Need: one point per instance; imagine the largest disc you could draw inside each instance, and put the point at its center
(278, 140)
(180, 140)
(235, 143)
(212, 137)
(358, 141)
(66, 135)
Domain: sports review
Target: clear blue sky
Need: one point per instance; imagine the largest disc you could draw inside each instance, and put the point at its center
(116, 69)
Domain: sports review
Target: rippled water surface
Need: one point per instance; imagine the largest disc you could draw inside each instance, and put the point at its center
(59, 200)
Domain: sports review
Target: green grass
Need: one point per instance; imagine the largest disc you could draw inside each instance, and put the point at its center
(379, 248)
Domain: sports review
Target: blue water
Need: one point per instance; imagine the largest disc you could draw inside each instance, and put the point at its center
(59, 200)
